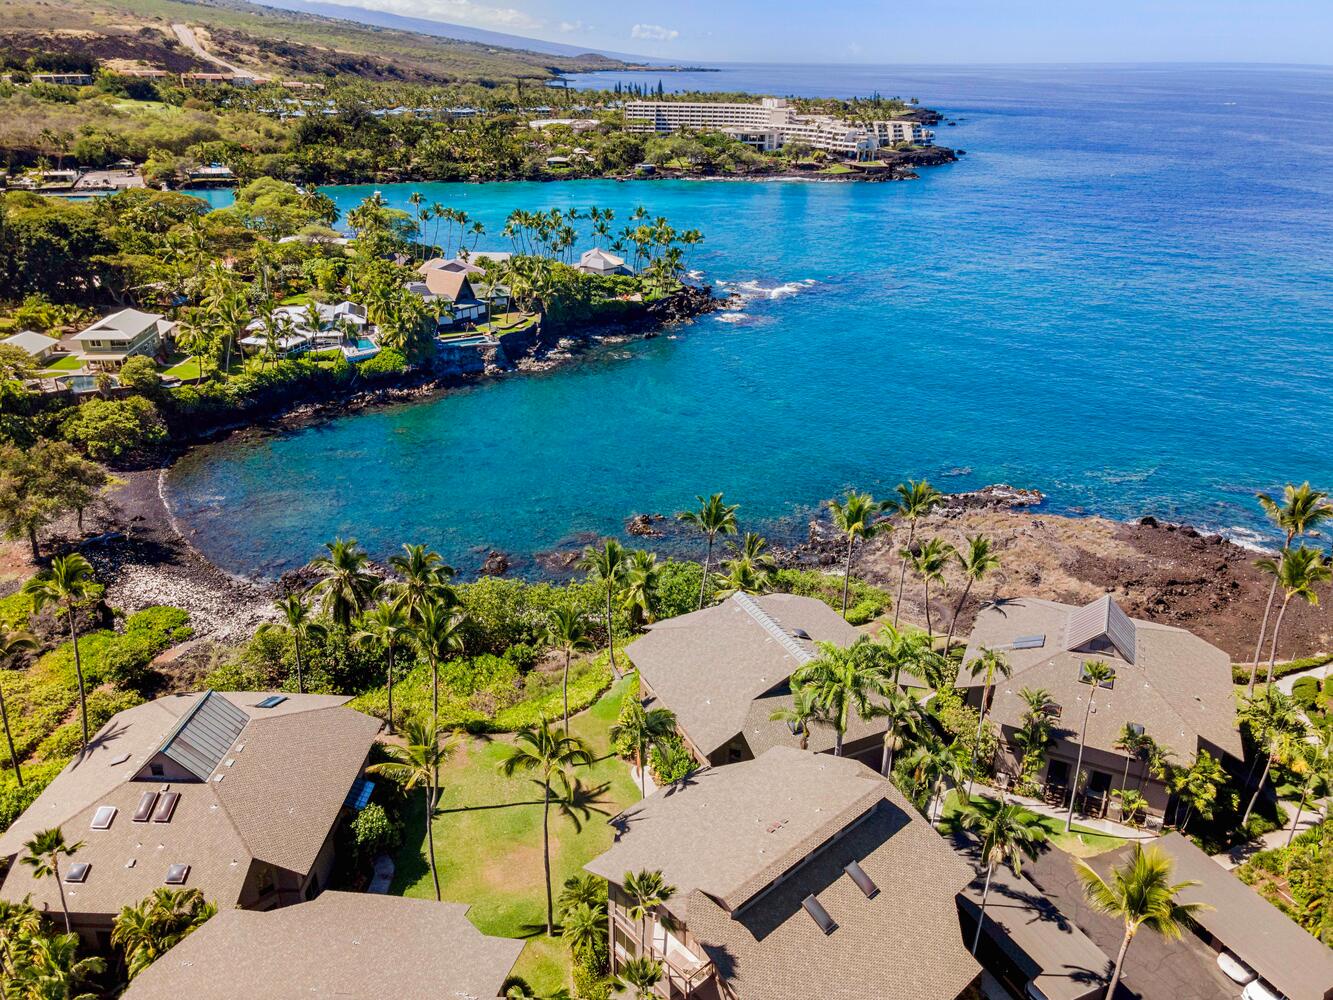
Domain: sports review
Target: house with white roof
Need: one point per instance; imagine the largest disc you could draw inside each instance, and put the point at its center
(106, 344)
(598, 261)
(37, 346)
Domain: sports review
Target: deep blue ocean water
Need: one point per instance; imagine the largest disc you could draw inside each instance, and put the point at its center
(1122, 296)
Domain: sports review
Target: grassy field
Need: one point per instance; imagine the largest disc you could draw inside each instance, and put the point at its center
(66, 364)
(186, 370)
(489, 846)
(1080, 842)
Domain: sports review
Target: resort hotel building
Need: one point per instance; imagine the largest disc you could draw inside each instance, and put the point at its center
(771, 124)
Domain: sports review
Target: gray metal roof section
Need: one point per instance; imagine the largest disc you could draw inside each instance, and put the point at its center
(771, 625)
(1102, 620)
(204, 734)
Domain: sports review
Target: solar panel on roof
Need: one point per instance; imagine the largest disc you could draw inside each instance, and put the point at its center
(272, 701)
(820, 915)
(177, 874)
(77, 872)
(863, 881)
(165, 807)
(103, 817)
(1030, 642)
(145, 808)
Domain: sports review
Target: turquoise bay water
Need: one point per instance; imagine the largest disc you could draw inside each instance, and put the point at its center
(1122, 296)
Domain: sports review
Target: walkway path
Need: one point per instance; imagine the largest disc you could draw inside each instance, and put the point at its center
(188, 38)
(1106, 826)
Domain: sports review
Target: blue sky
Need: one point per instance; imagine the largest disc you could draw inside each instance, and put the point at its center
(926, 31)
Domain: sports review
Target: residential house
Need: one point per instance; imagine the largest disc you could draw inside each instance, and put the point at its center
(1168, 683)
(236, 794)
(319, 326)
(106, 344)
(64, 79)
(454, 289)
(456, 264)
(598, 261)
(724, 671)
(573, 124)
(37, 346)
(795, 875)
(342, 944)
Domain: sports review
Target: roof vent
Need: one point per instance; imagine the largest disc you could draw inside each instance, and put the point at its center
(800, 633)
(103, 817)
(145, 808)
(177, 874)
(818, 914)
(863, 881)
(77, 872)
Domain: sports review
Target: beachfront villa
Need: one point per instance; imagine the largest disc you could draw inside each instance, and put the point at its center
(1168, 683)
(451, 285)
(602, 262)
(236, 794)
(318, 326)
(337, 945)
(772, 124)
(795, 875)
(724, 671)
(37, 346)
(106, 344)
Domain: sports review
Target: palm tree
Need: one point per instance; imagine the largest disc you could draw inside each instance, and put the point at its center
(1300, 510)
(1311, 762)
(584, 927)
(68, 583)
(567, 632)
(44, 852)
(54, 970)
(642, 576)
(906, 723)
(1095, 673)
(642, 729)
(437, 634)
(550, 758)
(991, 664)
(856, 517)
(1196, 786)
(713, 518)
(415, 764)
(1130, 742)
(19, 922)
(345, 586)
(11, 645)
(607, 566)
(1297, 572)
(298, 620)
(1141, 894)
(928, 563)
(933, 763)
(1008, 831)
(386, 626)
(805, 711)
(639, 974)
(148, 931)
(975, 561)
(915, 500)
(425, 578)
(647, 891)
(842, 680)
(1274, 721)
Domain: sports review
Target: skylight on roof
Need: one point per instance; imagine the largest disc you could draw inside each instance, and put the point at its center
(145, 808)
(103, 817)
(166, 805)
(77, 872)
(1029, 642)
(1083, 677)
(177, 874)
(863, 881)
(272, 701)
(819, 915)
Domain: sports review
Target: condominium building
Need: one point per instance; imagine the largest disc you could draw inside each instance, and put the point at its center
(771, 124)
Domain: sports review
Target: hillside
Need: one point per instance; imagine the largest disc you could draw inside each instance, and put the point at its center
(260, 39)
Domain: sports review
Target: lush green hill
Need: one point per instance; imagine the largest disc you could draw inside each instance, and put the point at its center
(261, 39)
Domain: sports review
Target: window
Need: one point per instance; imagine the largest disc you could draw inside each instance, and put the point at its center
(1135, 728)
(177, 874)
(77, 872)
(156, 770)
(1083, 677)
(145, 808)
(103, 817)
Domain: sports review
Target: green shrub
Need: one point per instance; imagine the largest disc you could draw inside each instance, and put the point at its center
(67, 740)
(1306, 692)
(869, 602)
(13, 798)
(670, 761)
(1241, 675)
(15, 612)
(374, 833)
(590, 984)
(387, 362)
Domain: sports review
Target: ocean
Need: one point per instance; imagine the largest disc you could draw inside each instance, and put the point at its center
(1122, 295)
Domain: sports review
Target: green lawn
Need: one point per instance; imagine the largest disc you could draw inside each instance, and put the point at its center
(1080, 842)
(489, 846)
(186, 371)
(70, 363)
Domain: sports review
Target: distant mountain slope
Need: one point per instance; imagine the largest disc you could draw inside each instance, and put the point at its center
(463, 32)
(266, 40)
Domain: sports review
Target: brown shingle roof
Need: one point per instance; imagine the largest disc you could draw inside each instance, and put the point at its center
(451, 285)
(340, 945)
(732, 840)
(292, 766)
(1178, 686)
(709, 666)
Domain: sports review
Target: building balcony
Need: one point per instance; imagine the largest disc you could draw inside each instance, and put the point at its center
(684, 974)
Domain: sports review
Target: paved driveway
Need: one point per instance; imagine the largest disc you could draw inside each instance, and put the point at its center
(1155, 969)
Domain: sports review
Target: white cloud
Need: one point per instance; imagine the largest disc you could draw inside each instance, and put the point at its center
(457, 11)
(653, 32)
(569, 27)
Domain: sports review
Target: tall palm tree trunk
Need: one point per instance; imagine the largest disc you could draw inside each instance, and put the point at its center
(708, 565)
(1259, 644)
(32, 542)
(610, 641)
(976, 742)
(640, 760)
(1268, 763)
(902, 573)
(300, 667)
(981, 917)
(929, 631)
(83, 697)
(546, 857)
(565, 690)
(958, 609)
(430, 835)
(847, 574)
(391, 687)
(886, 758)
(64, 907)
(1119, 962)
(1300, 808)
(9, 738)
(1272, 650)
(1078, 767)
